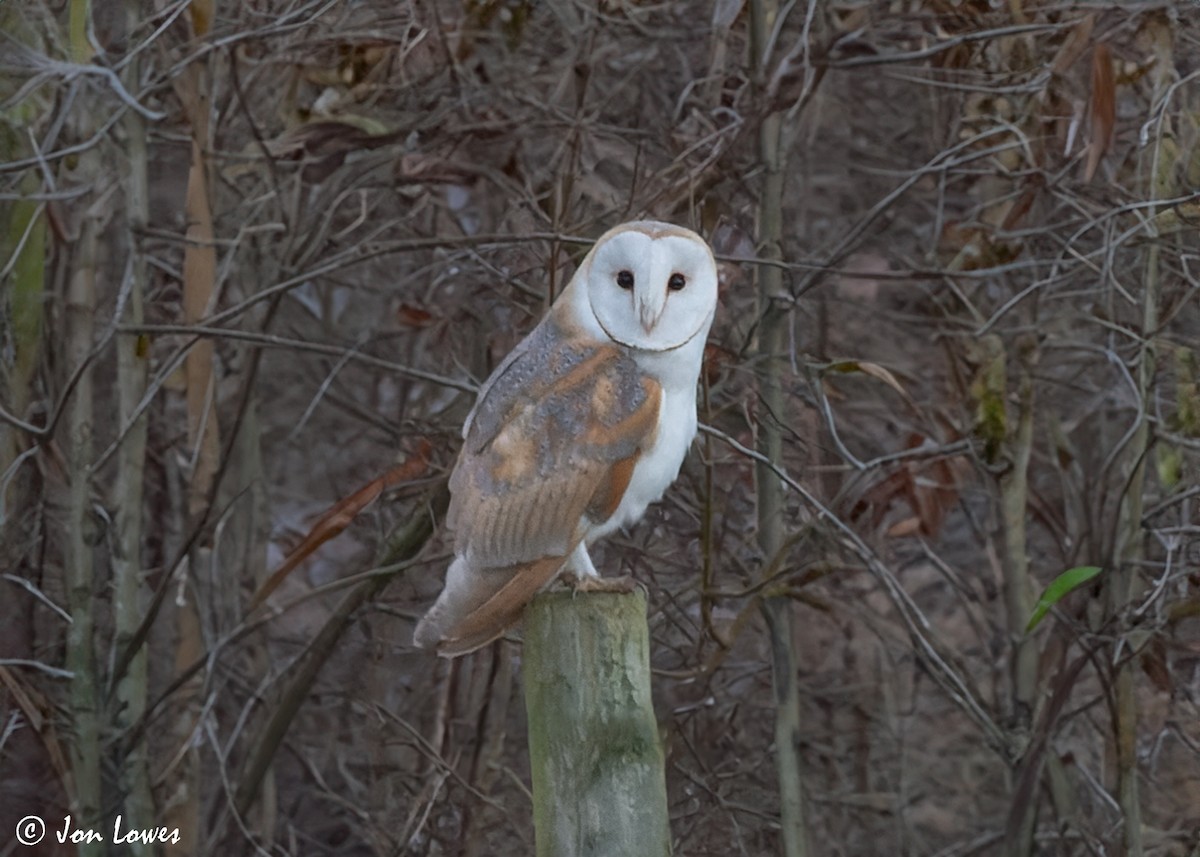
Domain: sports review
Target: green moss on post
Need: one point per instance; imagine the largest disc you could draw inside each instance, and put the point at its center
(598, 784)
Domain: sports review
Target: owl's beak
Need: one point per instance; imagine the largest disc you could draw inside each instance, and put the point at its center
(650, 310)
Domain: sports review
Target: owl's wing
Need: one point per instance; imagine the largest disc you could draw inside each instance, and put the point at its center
(549, 451)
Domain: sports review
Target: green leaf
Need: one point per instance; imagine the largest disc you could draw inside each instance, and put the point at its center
(1059, 588)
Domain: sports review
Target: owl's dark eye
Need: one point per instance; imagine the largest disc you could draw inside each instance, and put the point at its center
(625, 279)
(677, 282)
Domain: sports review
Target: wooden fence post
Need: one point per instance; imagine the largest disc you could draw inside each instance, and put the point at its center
(599, 789)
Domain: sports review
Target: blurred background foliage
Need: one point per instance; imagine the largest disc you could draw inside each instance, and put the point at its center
(256, 256)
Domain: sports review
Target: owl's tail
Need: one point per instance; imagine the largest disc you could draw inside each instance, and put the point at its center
(478, 605)
(427, 633)
(450, 607)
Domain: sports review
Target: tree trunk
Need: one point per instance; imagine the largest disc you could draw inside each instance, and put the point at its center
(772, 333)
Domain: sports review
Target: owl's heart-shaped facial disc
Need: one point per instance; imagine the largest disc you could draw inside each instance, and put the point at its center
(652, 287)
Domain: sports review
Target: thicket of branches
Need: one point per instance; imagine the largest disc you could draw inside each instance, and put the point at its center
(256, 257)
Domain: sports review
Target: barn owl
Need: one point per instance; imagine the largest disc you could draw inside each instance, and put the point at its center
(577, 431)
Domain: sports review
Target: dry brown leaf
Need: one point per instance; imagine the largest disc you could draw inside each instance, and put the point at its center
(426, 168)
(340, 516)
(1017, 213)
(717, 361)
(201, 12)
(873, 369)
(38, 710)
(1155, 665)
(33, 713)
(930, 489)
(1074, 44)
(934, 491)
(1103, 108)
(962, 247)
(413, 316)
(879, 497)
(360, 60)
(907, 527)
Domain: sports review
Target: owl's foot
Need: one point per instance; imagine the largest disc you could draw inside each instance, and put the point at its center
(622, 585)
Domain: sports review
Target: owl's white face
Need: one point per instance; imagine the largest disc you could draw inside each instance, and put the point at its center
(652, 286)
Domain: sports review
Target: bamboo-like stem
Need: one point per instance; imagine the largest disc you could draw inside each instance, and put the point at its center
(1122, 578)
(84, 694)
(78, 538)
(22, 295)
(1014, 490)
(596, 760)
(778, 611)
(771, 339)
(128, 588)
(1018, 589)
(199, 285)
(22, 284)
(79, 24)
(25, 244)
(1159, 179)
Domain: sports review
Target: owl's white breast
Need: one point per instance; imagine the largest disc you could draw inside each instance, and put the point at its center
(677, 370)
(659, 465)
